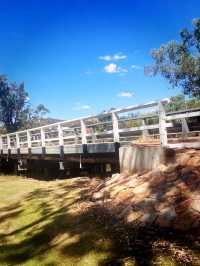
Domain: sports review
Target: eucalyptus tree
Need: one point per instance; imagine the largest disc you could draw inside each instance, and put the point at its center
(179, 61)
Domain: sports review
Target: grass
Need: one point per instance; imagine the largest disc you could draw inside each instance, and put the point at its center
(40, 224)
(53, 223)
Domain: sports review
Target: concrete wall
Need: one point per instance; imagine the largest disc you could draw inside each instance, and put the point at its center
(139, 158)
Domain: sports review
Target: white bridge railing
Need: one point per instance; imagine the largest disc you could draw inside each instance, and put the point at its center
(122, 125)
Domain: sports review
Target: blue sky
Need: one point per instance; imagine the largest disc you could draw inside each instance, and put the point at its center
(82, 57)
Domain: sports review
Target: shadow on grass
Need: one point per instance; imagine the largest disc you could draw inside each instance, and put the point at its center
(93, 229)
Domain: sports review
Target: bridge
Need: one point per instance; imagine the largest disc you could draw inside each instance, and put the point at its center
(96, 139)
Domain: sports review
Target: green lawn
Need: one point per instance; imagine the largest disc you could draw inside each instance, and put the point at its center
(53, 223)
(43, 223)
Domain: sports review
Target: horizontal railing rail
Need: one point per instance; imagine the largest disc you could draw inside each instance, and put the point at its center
(118, 125)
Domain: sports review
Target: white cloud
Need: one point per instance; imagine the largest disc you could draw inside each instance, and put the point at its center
(119, 57)
(106, 57)
(114, 68)
(78, 106)
(127, 94)
(111, 68)
(115, 57)
(136, 67)
(85, 107)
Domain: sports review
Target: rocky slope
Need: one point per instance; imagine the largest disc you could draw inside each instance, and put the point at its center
(168, 196)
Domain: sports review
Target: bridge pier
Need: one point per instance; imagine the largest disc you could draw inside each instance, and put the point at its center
(54, 166)
(8, 166)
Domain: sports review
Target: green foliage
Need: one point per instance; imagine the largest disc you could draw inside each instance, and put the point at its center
(133, 123)
(179, 102)
(179, 62)
(36, 117)
(193, 103)
(176, 103)
(13, 99)
(15, 110)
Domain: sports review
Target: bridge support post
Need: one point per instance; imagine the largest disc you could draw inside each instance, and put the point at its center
(117, 164)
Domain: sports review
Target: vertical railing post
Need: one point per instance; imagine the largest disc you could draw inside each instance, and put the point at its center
(29, 141)
(115, 125)
(60, 135)
(17, 143)
(116, 138)
(83, 132)
(162, 125)
(8, 142)
(185, 128)
(93, 136)
(61, 145)
(42, 138)
(76, 137)
(1, 144)
(145, 132)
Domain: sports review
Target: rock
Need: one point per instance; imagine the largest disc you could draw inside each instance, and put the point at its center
(185, 221)
(125, 196)
(168, 195)
(191, 177)
(142, 189)
(172, 168)
(99, 187)
(171, 177)
(194, 161)
(160, 206)
(157, 181)
(182, 187)
(147, 205)
(162, 167)
(166, 216)
(191, 151)
(183, 159)
(125, 211)
(172, 193)
(195, 205)
(149, 218)
(133, 216)
(183, 205)
(98, 195)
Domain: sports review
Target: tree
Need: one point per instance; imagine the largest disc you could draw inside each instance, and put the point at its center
(180, 102)
(41, 111)
(176, 103)
(37, 116)
(179, 62)
(15, 109)
(13, 100)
